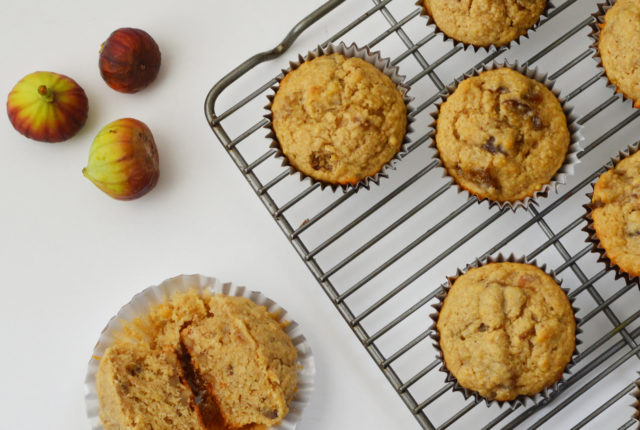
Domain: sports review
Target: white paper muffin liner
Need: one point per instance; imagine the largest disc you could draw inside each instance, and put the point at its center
(384, 65)
(521, 400)
(141, 304)
(570, 161)
(489, 48)
(595, 35)
(592, 236)
(636, 401)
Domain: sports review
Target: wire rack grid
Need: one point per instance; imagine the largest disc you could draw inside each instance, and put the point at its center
(381, 254)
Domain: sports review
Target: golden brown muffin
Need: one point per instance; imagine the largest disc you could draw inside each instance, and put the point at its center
(616, 214)
(619, 47)
(228, 353)
(246, 359)
(139, 388)
(338, 120)
(502, 135)
(506, 329)
(485, 22)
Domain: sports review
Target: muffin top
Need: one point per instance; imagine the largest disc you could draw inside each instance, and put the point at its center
(616, 214)
(485, 22)
(502, 135)
(620, 47)
(506, 329)
(338, 120)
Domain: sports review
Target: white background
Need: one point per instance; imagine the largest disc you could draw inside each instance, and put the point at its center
(71, 257)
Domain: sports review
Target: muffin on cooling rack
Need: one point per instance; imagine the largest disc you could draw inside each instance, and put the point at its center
(502, 136)
(614, 217)
(338, 119)
(619, 47)
(484, 22)
(198, 362)
(506, 330)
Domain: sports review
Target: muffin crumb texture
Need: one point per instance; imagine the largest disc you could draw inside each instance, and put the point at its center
(338, 120)
(619, 47)
(485, 22)
(198, 362)
(616, 214)
(140, 388)
(506, 329)
(502, 135)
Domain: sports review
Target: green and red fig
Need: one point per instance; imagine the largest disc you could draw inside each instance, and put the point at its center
(123, 160)
(47, 106)
(129, 60)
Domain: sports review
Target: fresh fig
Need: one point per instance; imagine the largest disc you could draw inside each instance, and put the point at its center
(129, 60)
(47, 106)
(123, 160)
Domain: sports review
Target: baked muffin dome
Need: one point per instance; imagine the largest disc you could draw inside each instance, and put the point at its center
(616, 214)
(619, 47)
(502, 135)
(485, 22)
(506, 329)
(338, 119)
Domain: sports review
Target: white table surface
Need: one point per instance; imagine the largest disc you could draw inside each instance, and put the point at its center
(71, 256)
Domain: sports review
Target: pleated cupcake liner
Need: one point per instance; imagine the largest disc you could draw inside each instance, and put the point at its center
(592, 237)
(596, 29)
(141, 304)
(521, 400)
(381, 63)
(571, 158)
(476, 48)
(636, 401)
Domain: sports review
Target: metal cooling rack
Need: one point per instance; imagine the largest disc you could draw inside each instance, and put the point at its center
(382, 254)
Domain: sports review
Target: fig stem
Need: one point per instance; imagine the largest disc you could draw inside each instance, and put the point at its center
(46, 93)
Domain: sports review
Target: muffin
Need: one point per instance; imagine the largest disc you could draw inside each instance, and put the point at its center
(198, 362)
(619, 47)
(506, 330)
(501, 135)
(615, 214)
(141, 388)
(484, 22)
(338, 119)
(241, 351)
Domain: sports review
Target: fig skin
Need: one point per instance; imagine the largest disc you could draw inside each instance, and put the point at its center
(47, 106)
(129, 60)
(123, 160)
